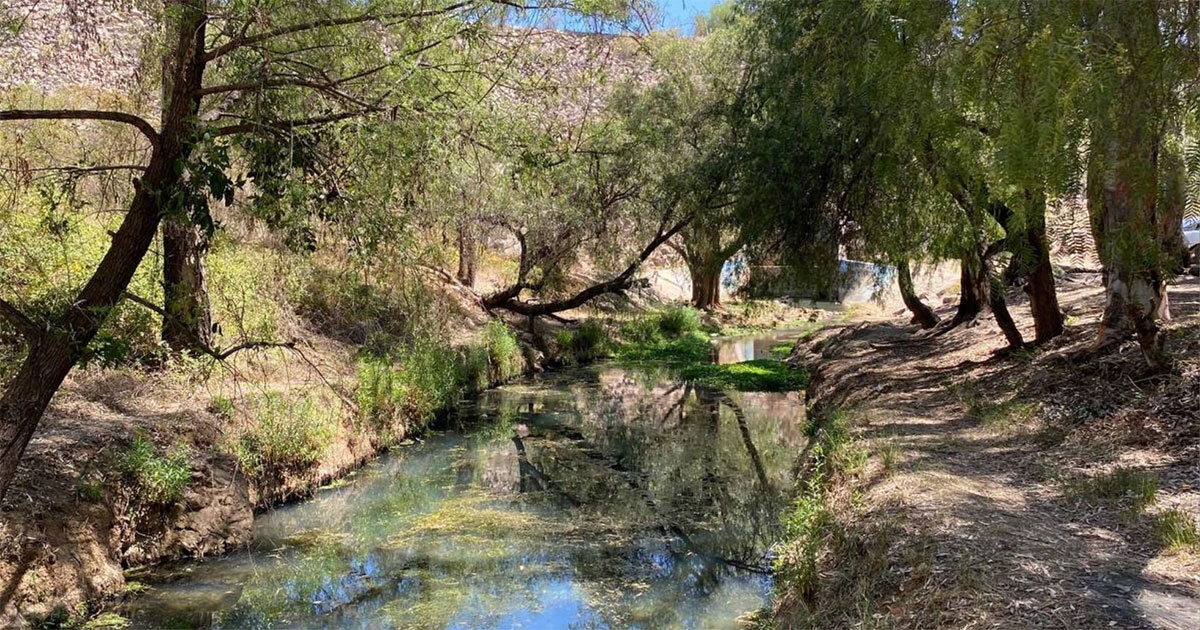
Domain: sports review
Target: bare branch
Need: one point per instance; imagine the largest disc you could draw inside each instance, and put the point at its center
(140, 123)
(19, 320)
(244, 40)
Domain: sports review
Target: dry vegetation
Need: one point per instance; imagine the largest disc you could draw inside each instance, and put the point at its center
(1008, 489)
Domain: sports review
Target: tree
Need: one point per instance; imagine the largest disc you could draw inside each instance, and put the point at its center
(1140, 56)
(236, 72)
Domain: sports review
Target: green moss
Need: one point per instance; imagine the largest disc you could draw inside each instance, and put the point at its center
(106, 621)
(762, 375)
(781, 350)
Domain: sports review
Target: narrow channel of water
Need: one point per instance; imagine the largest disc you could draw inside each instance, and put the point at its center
(592, 498)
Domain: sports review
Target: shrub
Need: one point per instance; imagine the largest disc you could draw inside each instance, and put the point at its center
(589, 341)
(503, 351)
(1176, 530)
(424, 378)
(287, 433)
(158, 478)
(676, 321)
(641, 329)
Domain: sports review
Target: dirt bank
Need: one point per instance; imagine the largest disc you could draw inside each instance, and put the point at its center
(1008, 490)
(76, 516)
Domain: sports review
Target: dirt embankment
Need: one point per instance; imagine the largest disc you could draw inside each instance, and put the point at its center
(74, 520)
(1009, 489)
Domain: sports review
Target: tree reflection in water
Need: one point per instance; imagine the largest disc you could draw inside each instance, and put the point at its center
(596, 498)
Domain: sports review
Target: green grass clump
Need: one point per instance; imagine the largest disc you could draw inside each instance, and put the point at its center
(781, 350)
(676, 321)
(158, 478)
(588, 342)
(809, 524)
(1125, 488)
(761, 375)
(995, 414)
(285, 433)
(89, 490)
(504, 352)
(1176, 530)
(221, 406)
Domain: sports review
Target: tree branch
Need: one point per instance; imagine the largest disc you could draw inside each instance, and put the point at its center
(19, 320)
(244, 40)
(140, 123)
(286, 125)
(507, 301)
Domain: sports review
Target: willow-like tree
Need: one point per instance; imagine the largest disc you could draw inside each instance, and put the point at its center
(1141, 61)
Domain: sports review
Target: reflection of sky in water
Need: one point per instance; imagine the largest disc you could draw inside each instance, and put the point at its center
(598, 499)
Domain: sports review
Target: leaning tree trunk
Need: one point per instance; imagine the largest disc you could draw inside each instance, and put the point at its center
(973, 292)
(468, 255)
(922, 315)
(53, 352)
(706, 285)
(187, 324)
(979, 292)
(1039, 275)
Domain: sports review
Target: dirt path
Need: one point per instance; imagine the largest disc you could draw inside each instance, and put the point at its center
(989, 490)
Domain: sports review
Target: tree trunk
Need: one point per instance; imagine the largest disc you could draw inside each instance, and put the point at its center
(54, 352)
(1039, 274)
(979, 292)
(973, 293)
(188, 322)
(467, 255)
(706, 285)
(921, 315)
(1135, 290)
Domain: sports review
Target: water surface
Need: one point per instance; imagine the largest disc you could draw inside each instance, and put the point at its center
(591, 498)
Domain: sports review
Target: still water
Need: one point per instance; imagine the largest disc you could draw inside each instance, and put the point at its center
(598, 497)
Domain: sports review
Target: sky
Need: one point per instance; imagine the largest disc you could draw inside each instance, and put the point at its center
(681, 13)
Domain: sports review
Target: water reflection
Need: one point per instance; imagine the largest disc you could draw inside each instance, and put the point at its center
(598, 498)
(741, 348)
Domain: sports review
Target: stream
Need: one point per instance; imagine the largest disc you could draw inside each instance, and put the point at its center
(595, 497)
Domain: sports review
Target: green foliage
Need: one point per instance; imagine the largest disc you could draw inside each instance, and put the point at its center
(284, 432)
(763, 375)
(676, 321)
(405, 389)
(157, 478)
(90, 490)
(811, 520)
(505, 360)
(590, 341)
(687, 349)
(1176, 530)
(222, 406)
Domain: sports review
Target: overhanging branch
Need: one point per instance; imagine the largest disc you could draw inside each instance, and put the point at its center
(140, 123)
(508, 301)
